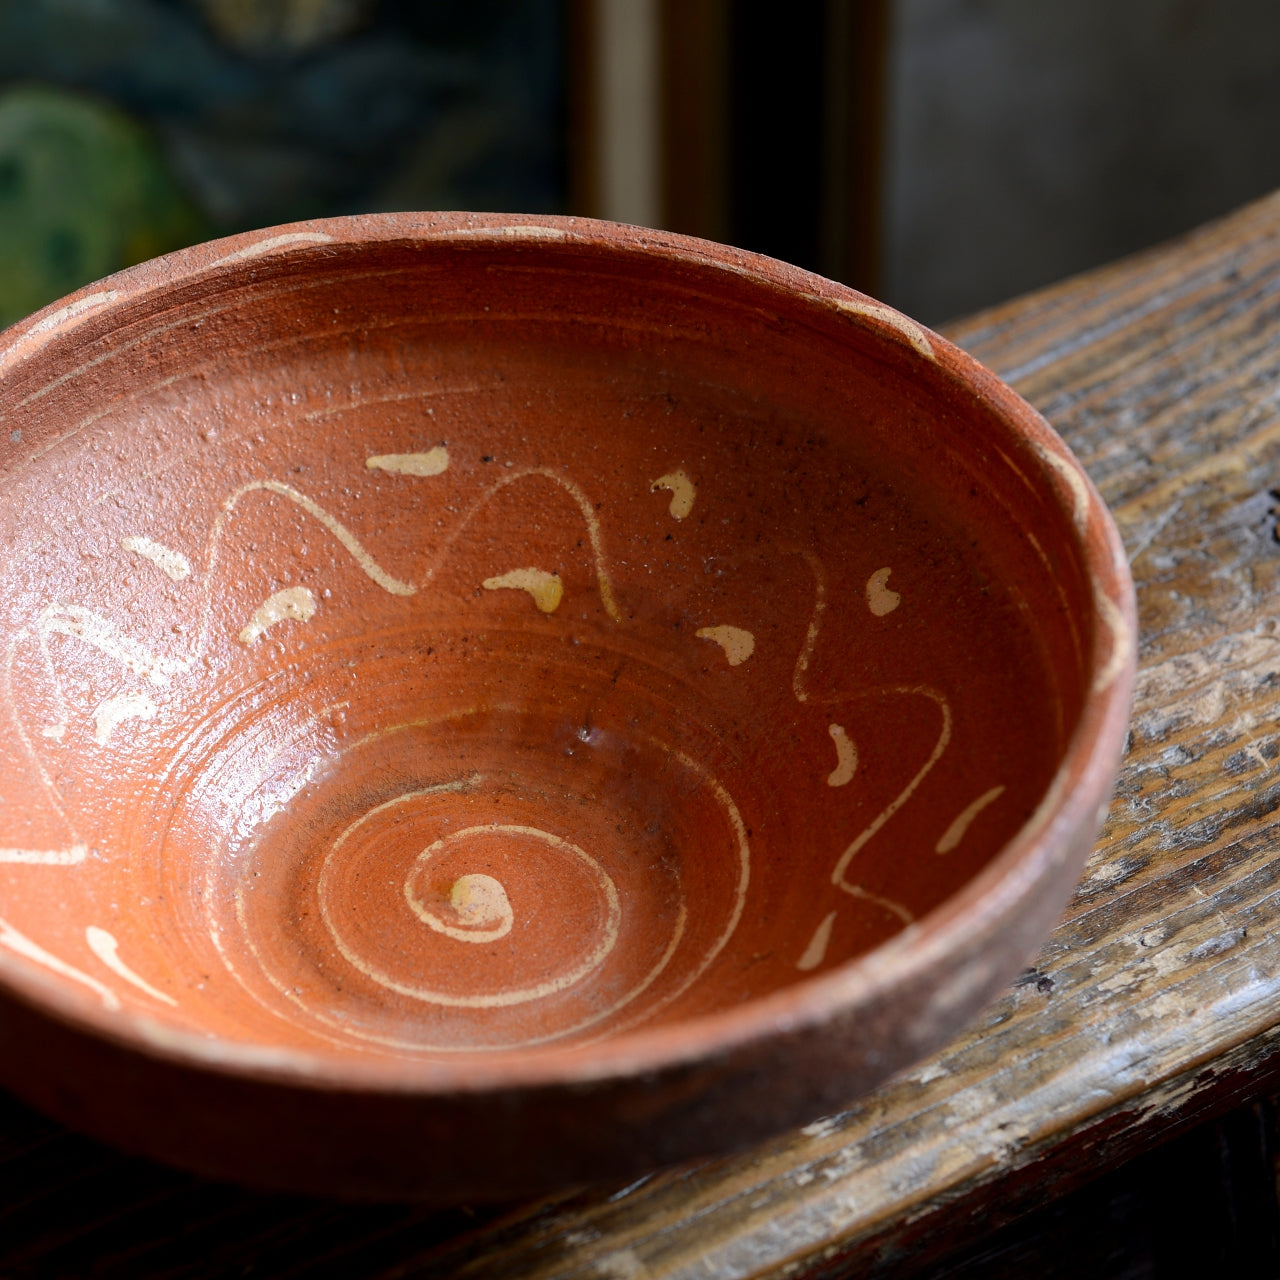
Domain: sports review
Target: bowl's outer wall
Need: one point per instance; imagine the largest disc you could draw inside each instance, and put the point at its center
(723, 1083)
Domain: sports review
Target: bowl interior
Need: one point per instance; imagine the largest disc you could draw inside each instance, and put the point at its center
(418, 649)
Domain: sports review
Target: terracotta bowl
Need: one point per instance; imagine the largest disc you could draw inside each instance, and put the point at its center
(494, 703)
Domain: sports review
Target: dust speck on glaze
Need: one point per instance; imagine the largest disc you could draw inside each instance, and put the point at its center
(439, 760)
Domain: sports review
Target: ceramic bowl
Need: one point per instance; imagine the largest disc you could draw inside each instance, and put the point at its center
(494, 703)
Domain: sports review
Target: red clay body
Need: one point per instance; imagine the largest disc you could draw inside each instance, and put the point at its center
(497, 702)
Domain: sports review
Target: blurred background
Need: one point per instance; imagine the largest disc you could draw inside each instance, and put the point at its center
(940, 154)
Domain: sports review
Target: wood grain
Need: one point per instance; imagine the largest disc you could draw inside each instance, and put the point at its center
(1153, 1005)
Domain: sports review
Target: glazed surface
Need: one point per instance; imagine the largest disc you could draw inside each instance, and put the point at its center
(415, 658)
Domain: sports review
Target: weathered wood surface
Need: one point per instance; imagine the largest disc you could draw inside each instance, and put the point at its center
(1155, 1003)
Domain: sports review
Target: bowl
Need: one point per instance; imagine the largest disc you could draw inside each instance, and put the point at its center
(496, 703)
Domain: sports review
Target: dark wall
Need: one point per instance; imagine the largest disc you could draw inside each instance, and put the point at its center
(1029, 141)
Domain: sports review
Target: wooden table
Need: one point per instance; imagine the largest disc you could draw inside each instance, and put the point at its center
(1155, 1004)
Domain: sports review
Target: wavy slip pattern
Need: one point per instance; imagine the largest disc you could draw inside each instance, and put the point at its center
(800, 672)
(78, 850)
(908, 329)
(943, 739)
(102, 634)
(69, 857)
(171, 563)
(347, 1030)
(952, 836)
(64, 318)
(742, 841)
(880, 601)
(350, 543)
(21, 945)
(106, 948)
(604, 582)
(1117, 624)
(93, 629)
(272, 243)
(486, 1000)
(90, 628)
(115, 711)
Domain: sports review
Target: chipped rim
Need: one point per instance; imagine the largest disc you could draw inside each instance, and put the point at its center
(1073, 805)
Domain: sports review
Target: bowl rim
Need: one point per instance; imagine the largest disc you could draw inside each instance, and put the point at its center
(1076, 799)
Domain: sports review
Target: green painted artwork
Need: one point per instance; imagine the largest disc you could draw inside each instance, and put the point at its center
(84, 192)
(130, 128)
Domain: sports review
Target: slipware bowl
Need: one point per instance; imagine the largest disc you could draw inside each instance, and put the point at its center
(495, 703)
